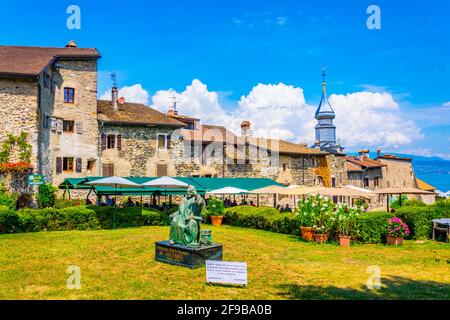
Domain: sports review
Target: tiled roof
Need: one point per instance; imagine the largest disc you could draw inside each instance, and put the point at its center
(393, 157)
(364, 163)
(134, 113)
(285, 147)
(210, 133)
(351, 167)
(31, 61)
(422, 185)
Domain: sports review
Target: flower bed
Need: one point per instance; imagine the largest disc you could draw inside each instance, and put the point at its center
(18, 167)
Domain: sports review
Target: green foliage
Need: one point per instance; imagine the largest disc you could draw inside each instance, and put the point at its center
(347, 220)
(396, 203)
(372, 226)
(66, 203)
(8, 200)
(47, 195)
(9, 220)
(125, 217)
(22, 144)
(152, 217)
(265, 218)
(215, 206)
(419, 219)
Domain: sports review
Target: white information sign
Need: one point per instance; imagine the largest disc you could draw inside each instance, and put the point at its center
(226, 272)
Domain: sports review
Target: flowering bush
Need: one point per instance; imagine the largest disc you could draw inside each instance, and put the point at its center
(347, 220)
(397, 228)
(316, 211)
(19, 167)
(215, 206)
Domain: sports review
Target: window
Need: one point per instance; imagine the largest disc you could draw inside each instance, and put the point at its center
(68, 164)
(46, 80)
(366, 182)
(163, 141)
(376, 182)
(284, 166)
(90, 166)
(111, 141)
(68, 126)
(69, 95)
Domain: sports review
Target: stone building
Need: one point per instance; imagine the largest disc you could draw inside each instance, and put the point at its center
(364, 172)
(51, 94)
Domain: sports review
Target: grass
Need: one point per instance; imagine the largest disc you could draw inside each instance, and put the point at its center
(120, 264)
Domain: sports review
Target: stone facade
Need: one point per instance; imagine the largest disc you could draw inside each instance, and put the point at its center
(397, 173)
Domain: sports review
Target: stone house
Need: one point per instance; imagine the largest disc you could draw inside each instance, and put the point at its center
(51, 94)
(364, 172)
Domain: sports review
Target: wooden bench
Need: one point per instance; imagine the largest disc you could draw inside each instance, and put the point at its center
(441, 225)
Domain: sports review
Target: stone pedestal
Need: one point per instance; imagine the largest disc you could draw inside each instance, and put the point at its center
(191, 257)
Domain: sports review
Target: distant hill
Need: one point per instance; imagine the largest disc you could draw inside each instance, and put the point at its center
(433, 170)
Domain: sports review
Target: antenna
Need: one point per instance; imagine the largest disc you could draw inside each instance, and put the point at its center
(114, 79)
(324, 84)
(173, 108)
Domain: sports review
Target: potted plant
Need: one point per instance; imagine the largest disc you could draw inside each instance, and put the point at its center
(215, 207)
(324, 218)
(305, 216)
(396, 230)
(347, 222)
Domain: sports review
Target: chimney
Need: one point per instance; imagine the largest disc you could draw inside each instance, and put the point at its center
(378, 152)
(360, 154)
(114, 98)
(71, 44)
(245, 129)
(367, 153)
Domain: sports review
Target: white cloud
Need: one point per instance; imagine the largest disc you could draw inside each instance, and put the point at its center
(447, 104)
(369, 119)
(134, 93)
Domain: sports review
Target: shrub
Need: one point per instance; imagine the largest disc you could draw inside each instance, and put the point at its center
(47, 195)
(8, 200)
(215, 206)
(420, 219)
(397, 228)
(66, 203)
(125, 217)
(152, 217)
(347, 220)
(9, 220)
(372, 226)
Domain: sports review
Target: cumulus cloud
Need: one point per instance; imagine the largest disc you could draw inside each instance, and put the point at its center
(370, 119)
(447, 104)
(135, 93)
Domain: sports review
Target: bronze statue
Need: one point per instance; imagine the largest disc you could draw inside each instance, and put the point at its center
(185, 223)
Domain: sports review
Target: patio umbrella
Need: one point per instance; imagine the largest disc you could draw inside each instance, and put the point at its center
(343, 191)
(269, 190)
(400, 191)
(165, 183)
(114, 182)
(228, 190)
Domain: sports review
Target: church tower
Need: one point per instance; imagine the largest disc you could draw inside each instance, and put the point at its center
(325, 129)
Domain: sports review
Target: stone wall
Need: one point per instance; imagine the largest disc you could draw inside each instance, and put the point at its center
(397, 174)
(357, 178)
(82, 76)
(338, 169)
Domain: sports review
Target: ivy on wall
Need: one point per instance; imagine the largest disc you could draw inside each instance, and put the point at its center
(323, 171)
(12, 141)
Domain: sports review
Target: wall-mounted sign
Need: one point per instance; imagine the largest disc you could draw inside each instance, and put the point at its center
(226, 272)
(36, 179)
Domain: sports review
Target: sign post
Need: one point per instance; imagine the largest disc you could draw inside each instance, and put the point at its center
(35, 179)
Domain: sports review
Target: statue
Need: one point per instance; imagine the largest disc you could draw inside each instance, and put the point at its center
(185, 223)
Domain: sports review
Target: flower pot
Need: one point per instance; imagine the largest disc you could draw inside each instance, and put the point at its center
(216, 220)
(321, 238)
(307, 233)
(344, 241)
(394, 241)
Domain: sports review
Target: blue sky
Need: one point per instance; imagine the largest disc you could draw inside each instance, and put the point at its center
(231, 46)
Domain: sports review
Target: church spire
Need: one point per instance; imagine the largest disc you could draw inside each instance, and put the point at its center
(324, 111)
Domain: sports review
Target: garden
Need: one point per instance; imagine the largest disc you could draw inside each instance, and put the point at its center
(38, 245)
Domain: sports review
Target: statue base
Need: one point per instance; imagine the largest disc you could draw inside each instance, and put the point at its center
(187, 256)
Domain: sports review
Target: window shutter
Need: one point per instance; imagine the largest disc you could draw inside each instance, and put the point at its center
(168, 141)
(59, 125)
(79, 127)
(103, 141)
(119, 142)
(54, 124)
(78, 165)
(59, 165)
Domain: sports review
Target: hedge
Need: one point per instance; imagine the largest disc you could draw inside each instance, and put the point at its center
(419, 219)
(372, 226)
(75, 218)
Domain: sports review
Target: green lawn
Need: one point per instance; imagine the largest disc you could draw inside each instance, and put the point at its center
(120, 265)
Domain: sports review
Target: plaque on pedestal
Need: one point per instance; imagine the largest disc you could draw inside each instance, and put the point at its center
(187, 256)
